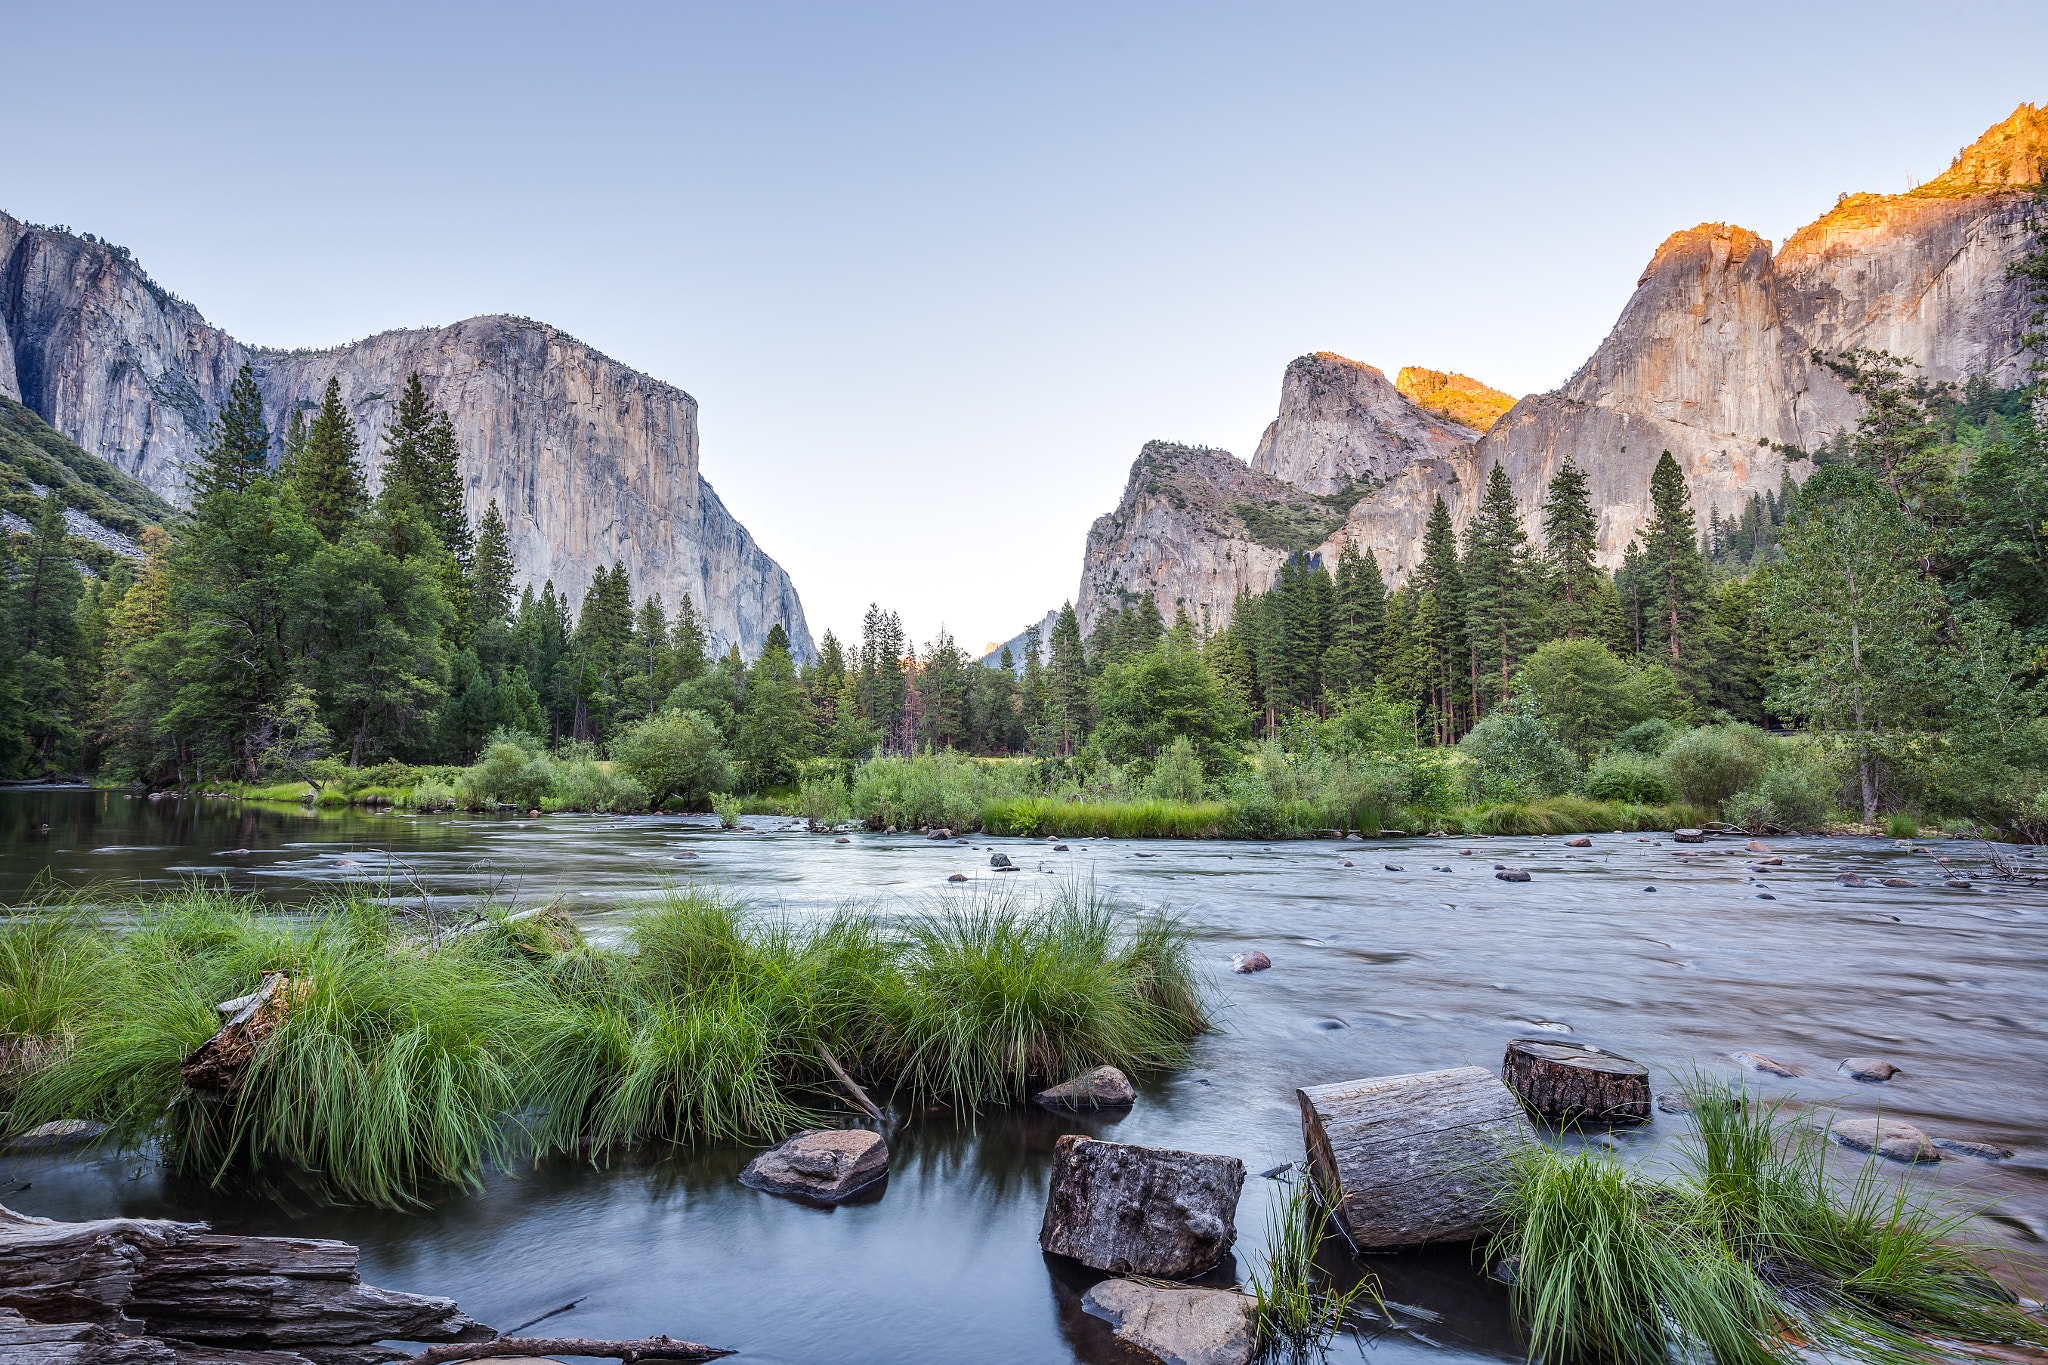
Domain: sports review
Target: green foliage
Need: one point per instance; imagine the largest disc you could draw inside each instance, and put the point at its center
(1515, 755)
(1297, 1310)
(327, 477)
(1652, 736)
(1045, 817)
(1793, 794)
(1569, 815)
(1635, 778)
(1166, 695)
(935, 789)
(1712, 763)
(675, 755)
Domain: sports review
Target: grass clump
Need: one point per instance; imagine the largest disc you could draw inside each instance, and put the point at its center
(1753, 1246)
(411, 1056)
(1045, 817)
(1298, 1311)
(1571, 815)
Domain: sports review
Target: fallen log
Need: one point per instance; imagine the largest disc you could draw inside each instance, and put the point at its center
(217, 1063)
(645, 1348)
(1405, 1159)
(74, 1343)
(1576, 1083)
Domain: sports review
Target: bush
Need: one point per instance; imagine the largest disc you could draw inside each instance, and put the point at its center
(1790, 795)
(675, 754)
(507, 774)
(1650, 737)
(1513, 755)
(1178, 776)
(1708, 765)
(1628, 776)
(941, 789)
(1044, 816)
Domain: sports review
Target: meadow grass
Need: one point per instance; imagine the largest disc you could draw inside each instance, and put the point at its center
(1045, 817)
(411, 1057)
(1571, 815)
(1754, 1244)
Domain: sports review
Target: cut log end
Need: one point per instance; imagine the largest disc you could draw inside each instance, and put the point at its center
(1563, 1082)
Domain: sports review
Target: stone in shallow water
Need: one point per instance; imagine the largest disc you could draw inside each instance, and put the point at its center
(829, 1164)
(1756, 1061)
(1870, 1069)
(957, 877)
(1251, 960)
(1581, 842)
(1896, 882)
(1887, 1138)
(1513, 874)
(1983, 1151)
(1103, 1088)
(57, 1133)
(1140, 1210)
(1178, 1326)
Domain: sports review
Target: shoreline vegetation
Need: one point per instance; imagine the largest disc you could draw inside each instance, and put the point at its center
(413, 1050)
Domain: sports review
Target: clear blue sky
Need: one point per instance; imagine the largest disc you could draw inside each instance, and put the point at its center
(934, 274)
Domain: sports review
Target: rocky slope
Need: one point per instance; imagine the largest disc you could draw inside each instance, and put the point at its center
(1459, 397)
(590, 461)
(1710, 360)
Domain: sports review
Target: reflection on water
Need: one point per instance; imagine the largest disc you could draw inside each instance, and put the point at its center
(1375, 971)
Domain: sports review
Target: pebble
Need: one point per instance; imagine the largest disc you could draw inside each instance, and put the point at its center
(1581, 842)
(1250, 960)
(1896, 881)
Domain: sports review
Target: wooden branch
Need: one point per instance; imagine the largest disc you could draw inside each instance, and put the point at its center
(860, 1096)
(646, 1348)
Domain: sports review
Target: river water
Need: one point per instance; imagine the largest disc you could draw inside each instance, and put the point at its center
(1392, 956)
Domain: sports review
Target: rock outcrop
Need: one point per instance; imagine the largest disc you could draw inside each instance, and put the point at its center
(590, 461)
(1459, 397)
(1711, 359)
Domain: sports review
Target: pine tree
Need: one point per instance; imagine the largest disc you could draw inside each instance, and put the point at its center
(1570, 538)
(491, 569)
(329, 476)
(1674, 578)
(1497, 597)
(1441, 632)
(421, 466)
(237, 447)
(1359, 617)
(1066, 684)
(691, 646)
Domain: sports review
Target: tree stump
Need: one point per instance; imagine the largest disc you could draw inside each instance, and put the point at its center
(217, 1063)
(1140, 1210)
(1576, 1083)
(1405, 1158)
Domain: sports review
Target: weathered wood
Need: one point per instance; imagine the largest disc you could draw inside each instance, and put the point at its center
(1140, 1210)
(178, 1280)
(645, 1348)
(852, 1087)
(74, 1343)
(1575, 1082)
(1407, 1159)
(217, 1063)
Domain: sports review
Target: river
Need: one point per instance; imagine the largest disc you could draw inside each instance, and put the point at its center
(1391, 956)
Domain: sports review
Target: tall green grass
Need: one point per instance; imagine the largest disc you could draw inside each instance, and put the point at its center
(1756, 1243)
(1572, 815)
(410, 1057)
(1298, 1311)
(1044, 817)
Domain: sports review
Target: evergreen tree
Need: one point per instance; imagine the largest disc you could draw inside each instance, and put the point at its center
(1066, 684)
(237, 447)
(651, 659)
(422, 466)
(491, 571)
(1441, 630)
(692, 649)
(1570, 538)
(1498, 600)
(1359, 616)
(329, 475)
(884, 690)
(1674, 577)
(774, 732)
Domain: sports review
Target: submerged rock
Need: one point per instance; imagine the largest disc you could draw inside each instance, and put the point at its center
(1581, 842)
(1103, 1088)
(1756, 1061)
(1850, 879)
(1983, 1151)
(1178, 1326)
(1869, 1069)
(957, 877)
(999, 860)
(1140, 1210)
(57, 1133)
(1250, 960)
(1513, 874)
(1887, 1138)
(830, 1164)
(1897, 882)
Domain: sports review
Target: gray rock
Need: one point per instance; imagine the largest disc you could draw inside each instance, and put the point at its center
(999, 860)
(1897, 882)
(1250, 960)
(1513, 874)
(1689, 836)
(1869, 1069)
(1850, 879)
(56, 1134)
(830, 1164)
(1983, 1151)
(1178, 1326)
(1581, 842)
(1756, 1061)
(1140, 1210)
(1674, 1102)
(1103, 1088)
(1888, 1138)
(957, 877)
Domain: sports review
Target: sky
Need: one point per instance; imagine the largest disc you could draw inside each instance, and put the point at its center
(934, 274)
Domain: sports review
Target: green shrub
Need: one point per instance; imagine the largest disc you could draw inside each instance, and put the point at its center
(1790, 795)
(1650, 737)
(940, 789)
(1902, 826)
(728, 807)
(1044, 817)
(1712, 763)
(1628, 776)
(677, 754)
(1514, 755)
(507, 774)
(1178, 775)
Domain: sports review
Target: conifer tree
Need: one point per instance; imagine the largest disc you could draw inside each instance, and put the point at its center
(691, 645)
(1440, 632)
(1570, 538)
(1360, 613)
(1066, 683)
(1674, 577)
(491, 569)
(329, 476)
(237, 447)
(1497, 597)
(421, 465)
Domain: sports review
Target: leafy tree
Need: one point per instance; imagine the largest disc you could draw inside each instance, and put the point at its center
(328, 477)
(1148, 701)
(677, 755)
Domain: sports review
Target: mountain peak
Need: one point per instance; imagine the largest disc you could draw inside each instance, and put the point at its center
(2010, 155)
(1459, 397)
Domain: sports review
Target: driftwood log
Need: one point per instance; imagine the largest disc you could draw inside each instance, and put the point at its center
(1405, 1159)
(74, 1343)
(1576, 1083)
(645, 1348)
(217, 1063)
(1140, 1210)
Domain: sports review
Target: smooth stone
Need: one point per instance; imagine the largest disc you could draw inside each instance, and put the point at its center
(1059, 848)
(957, 877)
(1765, 896)
(1649, 888)
(939, 835)
(1581, 842)
(1850, 879)
(57, 1133)
(1103, 1088)
(842, 839)
(1756, 1061)
(1983, 1151)
(1758, 846)
(1887, 1138)
(1251, 960)
(829, 1164)
(1896, 881)
(1957, 884)
(1513, 874)
(1391, 867)
(1770, 862)
(1178, 1326)
(1870, 1069)
(1674, 1102)
(999, 860)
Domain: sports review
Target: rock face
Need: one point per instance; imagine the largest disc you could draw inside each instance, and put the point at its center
(1178, 1326)
(1710, 359)
(1140, 1210)
(1459, 397)
(832, 1164)
(591, 462)
(1342, 427)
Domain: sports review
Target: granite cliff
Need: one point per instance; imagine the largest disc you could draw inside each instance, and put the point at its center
(590, 461)
(1710, 359)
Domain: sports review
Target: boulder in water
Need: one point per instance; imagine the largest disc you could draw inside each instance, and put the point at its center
(1140, 1210)
(1512, 874)
(1178, 1326)
(1869, 1069)
(829, 1164)
(1689, 836)
(1103, 1088)
(1983, 1151)
(1756, 1061)
(1887, 1138)
(1250, 960)
(57, 1133)
(1581, 842)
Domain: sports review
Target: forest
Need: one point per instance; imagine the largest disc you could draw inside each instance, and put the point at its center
(1866, 646)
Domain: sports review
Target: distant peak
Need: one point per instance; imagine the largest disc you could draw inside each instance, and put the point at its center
(1740, 241)
(1459, 397)
(1326, 359)
(2010, 155)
